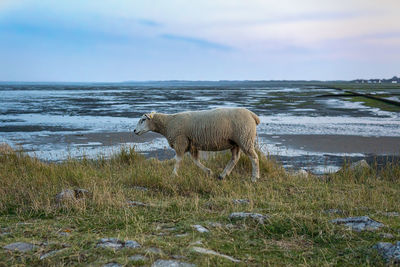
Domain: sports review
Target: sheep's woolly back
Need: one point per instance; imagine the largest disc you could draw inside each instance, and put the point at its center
(210, 130)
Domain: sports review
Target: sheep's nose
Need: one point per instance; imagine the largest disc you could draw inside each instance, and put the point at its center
(134, 131)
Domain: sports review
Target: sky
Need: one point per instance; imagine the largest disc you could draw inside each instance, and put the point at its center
(129, 40)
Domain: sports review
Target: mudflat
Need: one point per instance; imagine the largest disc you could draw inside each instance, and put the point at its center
(382, 145)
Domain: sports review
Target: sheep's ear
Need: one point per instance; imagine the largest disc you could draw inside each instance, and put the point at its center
(149, 115)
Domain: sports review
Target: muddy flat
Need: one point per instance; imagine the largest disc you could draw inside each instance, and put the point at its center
(57, 121)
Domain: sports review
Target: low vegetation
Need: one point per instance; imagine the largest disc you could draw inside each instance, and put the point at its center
(297, 232)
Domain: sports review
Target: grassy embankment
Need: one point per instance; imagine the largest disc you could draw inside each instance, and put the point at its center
(297, 233)
(382, 90)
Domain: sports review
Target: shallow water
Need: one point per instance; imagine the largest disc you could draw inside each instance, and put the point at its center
(38, 117)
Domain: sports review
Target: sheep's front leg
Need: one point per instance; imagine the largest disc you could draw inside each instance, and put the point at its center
(178, 160)
(231, 164)
(181, 146)
(195, 157)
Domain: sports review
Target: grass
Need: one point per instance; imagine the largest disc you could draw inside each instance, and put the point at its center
(374, 103)
(297, 233)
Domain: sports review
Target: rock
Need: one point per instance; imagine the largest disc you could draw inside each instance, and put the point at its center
(212, 252)
(115, 243)
(64, 234)
(154, 250)
(81, 193)
(198, 242)
(302, 173)
(137, 203)
(241, 201)
(71, 195)
(200, 228)
(387, 235)
(181, 235)
(65, 195)
(20, 246)
(359, 165)
(245, 215)
(138, 257)
(171, 263)
(359, 223)
(51, 253)
(112, 264)
(131, 244)
(215, 224)
(389, 252)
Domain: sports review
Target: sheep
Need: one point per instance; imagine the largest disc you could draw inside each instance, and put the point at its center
(207, 130)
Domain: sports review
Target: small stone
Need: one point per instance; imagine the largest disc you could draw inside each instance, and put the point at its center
(115, 243)
(229, 225)
(215, 224)
(131, 244)
(359, 223)
(359, 165)
(112, 264)
(112, 243)
(64, 234)
(51, 253)
(65, 195)
(20, 246)
(241, 201)
(198, 242)
(154, 250)
(390, 252)
(244, 215)
(212, 252)
(181, 235)
(200, 228)
(136, 203)
(81, 193)
(138, 257)
(387, 235)
(71, 195)
(302, 173)
(171, 263)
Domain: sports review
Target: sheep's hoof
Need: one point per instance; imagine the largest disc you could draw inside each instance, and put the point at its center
(254, 179)
(220, 177)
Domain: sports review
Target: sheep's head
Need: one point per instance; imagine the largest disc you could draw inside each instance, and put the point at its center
(145, 124)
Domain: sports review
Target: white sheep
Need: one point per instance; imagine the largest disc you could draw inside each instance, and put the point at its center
(207, 130)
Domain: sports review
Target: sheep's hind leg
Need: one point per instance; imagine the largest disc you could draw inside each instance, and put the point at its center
(231, 164)
(195, 157)
(255, 165)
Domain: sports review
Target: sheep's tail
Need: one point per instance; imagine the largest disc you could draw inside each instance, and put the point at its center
(256, 118)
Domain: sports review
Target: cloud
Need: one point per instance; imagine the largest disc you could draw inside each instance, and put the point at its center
(196, 41)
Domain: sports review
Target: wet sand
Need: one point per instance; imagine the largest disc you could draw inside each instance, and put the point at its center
(346, 144)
